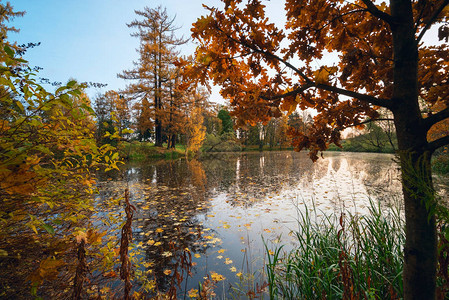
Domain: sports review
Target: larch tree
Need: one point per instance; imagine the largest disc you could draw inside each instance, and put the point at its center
(152, 72)
(381, 61)
(174, 119)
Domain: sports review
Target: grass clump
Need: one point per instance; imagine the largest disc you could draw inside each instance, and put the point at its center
(346, 257)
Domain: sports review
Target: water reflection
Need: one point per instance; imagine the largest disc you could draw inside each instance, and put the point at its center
(215, 210)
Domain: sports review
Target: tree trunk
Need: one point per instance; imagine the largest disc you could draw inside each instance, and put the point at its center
(420, 251)
(157, 104)
(173, 141)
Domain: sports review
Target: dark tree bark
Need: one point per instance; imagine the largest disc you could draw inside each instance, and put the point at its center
(420, 249)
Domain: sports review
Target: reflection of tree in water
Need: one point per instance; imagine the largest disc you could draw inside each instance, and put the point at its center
(220, 170)
(359, 175)
(249, 177)
(168, 223)
(378, 173)
(172, 196)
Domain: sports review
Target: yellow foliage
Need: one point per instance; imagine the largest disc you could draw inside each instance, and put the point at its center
(217, 277)
(196, 131)
(322, 75)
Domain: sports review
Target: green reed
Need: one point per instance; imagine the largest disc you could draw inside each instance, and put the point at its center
(341, 257)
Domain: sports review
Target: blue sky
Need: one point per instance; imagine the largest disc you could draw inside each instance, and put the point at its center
(88, 39)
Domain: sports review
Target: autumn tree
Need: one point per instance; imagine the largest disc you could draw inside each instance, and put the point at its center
(47, 155)
(276, 132)
(144, 120)
(381, 60)
(152, 75)
(112, 108)
(196, 131)
(175, 118)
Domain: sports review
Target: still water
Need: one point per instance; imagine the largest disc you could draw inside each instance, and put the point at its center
(214, 214)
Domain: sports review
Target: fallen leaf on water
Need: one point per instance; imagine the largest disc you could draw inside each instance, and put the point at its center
(193, 293)
(233, 269)
(167, 272)
(167, 254)
(228, 261)
(217, 277)
(221, 250)
(197, 255)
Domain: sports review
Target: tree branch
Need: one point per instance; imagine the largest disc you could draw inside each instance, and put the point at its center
(268, 54)
(291, 93)
(377, 13)
(309, 83)
(433, 119)
(368, 121)
(431, 20)
(432, 146)
(362, 97)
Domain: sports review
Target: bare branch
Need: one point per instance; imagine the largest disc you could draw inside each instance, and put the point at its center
(291, 93)
(362, 97)
(431, 20)
(377, 13)
(433, 119)
(432, 146)
(368, 121)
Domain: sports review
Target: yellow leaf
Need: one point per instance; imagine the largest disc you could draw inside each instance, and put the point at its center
(193, 293)
(167, 272)
(197, 255)
(217, 277)
(322, 75)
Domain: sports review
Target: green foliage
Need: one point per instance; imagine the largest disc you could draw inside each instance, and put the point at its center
(221, 143)
(341, 258)
(361, 143)
(48, 156)
(226, 121)
(140, 151)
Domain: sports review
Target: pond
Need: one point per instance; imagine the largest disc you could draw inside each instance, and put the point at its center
(216, 216)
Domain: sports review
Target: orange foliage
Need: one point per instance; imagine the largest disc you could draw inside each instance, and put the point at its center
(252, 59)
